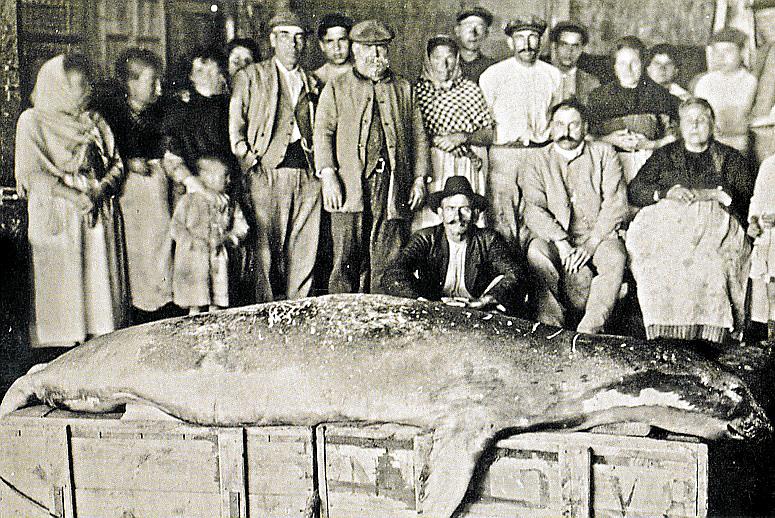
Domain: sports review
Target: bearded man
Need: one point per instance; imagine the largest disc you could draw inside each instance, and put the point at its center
(371, 154)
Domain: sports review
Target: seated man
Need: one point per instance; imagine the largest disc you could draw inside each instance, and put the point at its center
(576, 202)
(457, 260)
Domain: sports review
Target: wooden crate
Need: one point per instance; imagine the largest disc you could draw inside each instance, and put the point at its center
(74, 464)
(374, 472)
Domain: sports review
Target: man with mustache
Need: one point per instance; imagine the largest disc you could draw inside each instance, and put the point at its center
(576, 201)
(519, 91)
(473, 27)
(457, 261)
(270, 127)
(371, 153)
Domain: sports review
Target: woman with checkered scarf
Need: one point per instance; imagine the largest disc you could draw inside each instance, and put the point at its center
(457, 121)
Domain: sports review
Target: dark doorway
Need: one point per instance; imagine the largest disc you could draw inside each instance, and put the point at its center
(192, 24)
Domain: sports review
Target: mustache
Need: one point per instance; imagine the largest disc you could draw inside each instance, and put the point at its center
(568, 139)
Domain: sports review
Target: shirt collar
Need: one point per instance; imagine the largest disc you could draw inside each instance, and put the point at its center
(284, 70)
(569, 154)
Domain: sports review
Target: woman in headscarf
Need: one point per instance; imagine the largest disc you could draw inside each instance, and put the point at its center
(457, 121)
(68, 168)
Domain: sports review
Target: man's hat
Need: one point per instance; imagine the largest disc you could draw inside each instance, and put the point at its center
(731, 35)
(532, 23)
(371, 32)
(475, 10)
(456, 185)
(287, 19)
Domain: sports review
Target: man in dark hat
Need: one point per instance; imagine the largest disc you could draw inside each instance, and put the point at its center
(334, 40)
(457, 261)
(371, 153)
(519, 90)
(576, 202)
(270, 127)
(473, 26)
(568, 40)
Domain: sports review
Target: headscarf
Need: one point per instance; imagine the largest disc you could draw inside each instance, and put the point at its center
(428, 73)
(452, 106)
(66, 132)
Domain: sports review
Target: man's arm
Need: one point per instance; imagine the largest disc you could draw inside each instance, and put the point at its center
(538, 218)
(511, 290)
(399, 279)
(613, 206)
(238, 121)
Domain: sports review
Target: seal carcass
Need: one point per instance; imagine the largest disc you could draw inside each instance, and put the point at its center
(471, 377)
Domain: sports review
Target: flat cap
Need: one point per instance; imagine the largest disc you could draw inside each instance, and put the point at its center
(371, 32)
(287, 19)
(475, 10)
(531, 23)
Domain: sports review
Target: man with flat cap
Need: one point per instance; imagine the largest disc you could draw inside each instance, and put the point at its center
(371, 154)
(519, 90)
(334, 40)
(473, 26)
(456, 261)
(270, 127)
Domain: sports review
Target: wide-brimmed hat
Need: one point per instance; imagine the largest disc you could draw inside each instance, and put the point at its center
(371, 32)
(456, 185)
(475, 10)
(531, 23)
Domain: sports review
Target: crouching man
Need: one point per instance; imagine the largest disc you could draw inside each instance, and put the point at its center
(457, 261)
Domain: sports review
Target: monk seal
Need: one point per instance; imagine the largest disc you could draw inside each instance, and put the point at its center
(468, 376)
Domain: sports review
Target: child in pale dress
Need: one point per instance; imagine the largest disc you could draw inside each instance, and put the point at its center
(203, 229)
(761, 219)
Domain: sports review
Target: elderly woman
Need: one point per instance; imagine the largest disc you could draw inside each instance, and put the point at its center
(689, 253)
(68, 168)
(456, 119)
(632, 113)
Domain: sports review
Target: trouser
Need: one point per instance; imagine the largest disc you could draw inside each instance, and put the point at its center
(609, 260)
(506, 203)
(365, 243)
(286, 203)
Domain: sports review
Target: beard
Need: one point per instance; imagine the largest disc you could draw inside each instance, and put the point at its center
(374, 67)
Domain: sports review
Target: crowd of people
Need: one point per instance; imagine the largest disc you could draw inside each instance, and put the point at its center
(510, 185)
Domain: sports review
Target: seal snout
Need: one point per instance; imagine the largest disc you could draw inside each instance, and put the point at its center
(755, 426)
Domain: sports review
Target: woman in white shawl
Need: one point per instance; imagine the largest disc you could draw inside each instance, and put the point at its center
(68, 168)
(457, 121)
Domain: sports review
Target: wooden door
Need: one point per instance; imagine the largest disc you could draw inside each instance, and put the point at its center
(129, 23)
(193, 24)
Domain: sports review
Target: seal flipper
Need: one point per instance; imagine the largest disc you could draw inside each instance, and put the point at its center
(454, 456)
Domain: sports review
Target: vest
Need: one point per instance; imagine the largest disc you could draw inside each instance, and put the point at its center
(283, 128)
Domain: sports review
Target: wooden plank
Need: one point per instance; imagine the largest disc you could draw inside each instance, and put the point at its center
(146, 504)
(279, 460)
(231, 464)
(702, 480)
(280, 506)
(146, 464)
(321, 458)
(576, 471)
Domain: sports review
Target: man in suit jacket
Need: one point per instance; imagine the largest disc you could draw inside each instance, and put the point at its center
(270, 127)
(471, 266)
(576, 202)
(568, 40)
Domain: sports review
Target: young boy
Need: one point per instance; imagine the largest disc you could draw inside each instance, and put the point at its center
(202, 231)
(730, 88)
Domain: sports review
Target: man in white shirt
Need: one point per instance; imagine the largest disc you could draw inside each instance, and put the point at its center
(519, 90)
(270, 127)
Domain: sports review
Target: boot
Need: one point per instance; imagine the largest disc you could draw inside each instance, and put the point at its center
(771, 331)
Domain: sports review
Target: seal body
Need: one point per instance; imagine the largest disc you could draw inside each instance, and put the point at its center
(468, 376)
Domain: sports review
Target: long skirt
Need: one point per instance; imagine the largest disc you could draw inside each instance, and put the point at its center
(79, 271)
(690, 264)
